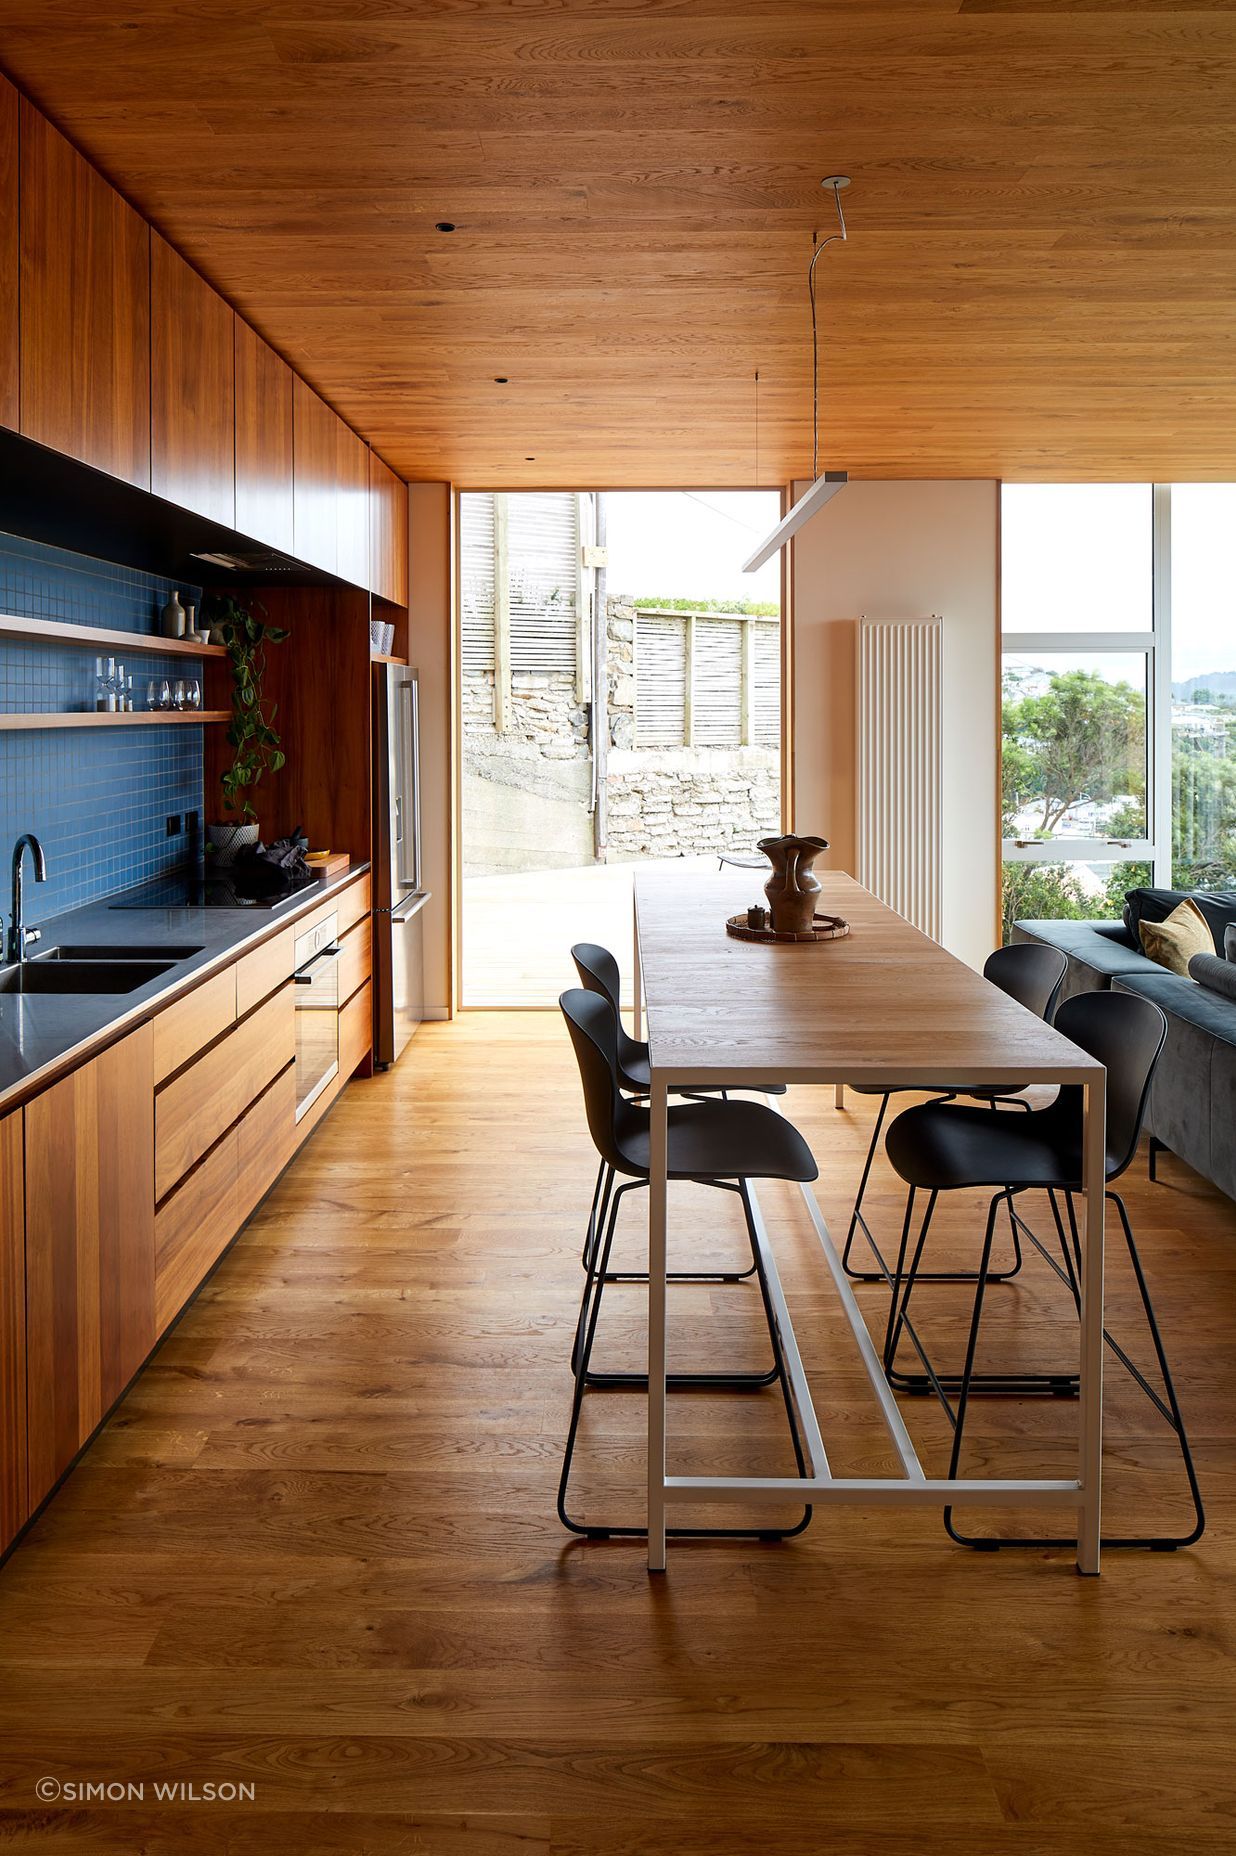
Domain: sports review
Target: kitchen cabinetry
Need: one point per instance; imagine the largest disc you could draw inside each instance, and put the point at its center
(315, 465)
(388, 543)
(89, 1155)
(85, 309)
(352, 507)
(10, 356)
(192, 1111)
(263, 441)
(14, 1501)
(192, 389)
(122, 1184)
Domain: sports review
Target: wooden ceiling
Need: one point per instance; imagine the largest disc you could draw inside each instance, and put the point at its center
(1040, 280)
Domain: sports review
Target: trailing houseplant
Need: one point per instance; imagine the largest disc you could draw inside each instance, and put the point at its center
(251, 733)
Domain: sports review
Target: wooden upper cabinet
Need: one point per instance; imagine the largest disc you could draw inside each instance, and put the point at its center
(85, 309)
(10, 357)
(90, 1258)
(315, 457)
(353, 507)
(14, 1499)
(388, 532)
(192, 389)
(263, 441)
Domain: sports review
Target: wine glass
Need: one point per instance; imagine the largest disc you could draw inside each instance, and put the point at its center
(165, 694)
(178, 693)
(152, 693)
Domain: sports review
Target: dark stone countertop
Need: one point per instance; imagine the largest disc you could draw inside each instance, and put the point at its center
(44, 1034)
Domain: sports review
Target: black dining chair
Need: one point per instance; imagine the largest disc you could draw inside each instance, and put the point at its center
(598, 972)
(948, 1146)
(1032, 975)
(721, 1144)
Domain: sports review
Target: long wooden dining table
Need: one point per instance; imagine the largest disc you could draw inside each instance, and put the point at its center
(885, 1006)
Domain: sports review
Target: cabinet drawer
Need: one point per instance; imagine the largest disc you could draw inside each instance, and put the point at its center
(355, 1030)
(260, 972)
(195, 1108)
(354, 903)
(187, 1027)
(267, 1136)
(356, 960)
(194, 1228)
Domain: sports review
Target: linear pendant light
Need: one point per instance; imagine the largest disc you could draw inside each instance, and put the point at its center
(827, 484)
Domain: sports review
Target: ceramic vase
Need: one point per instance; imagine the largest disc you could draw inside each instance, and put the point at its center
(793, 887)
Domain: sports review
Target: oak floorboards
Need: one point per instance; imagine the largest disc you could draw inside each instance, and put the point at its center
(314, 1550)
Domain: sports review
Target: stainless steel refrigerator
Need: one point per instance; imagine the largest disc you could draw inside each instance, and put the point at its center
(398, 898)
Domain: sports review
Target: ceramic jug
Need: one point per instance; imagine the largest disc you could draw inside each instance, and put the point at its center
(793, 887)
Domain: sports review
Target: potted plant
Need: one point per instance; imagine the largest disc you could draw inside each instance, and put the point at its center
(252, 735)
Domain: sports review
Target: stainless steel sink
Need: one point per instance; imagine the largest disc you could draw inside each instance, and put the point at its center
(81, 976)
(155, 951)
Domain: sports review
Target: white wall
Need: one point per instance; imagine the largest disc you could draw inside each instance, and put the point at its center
(430, 633)
(905, 550)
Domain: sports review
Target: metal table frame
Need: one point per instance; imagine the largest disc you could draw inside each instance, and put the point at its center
(913, 1487)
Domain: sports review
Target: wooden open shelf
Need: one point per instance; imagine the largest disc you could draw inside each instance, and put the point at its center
(54, 631)
(384, 657)
(92, 718)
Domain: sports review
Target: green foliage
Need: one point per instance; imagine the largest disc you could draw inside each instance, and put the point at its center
(1080, 738)
(751, 608)
(252, 735)
(1056, 892)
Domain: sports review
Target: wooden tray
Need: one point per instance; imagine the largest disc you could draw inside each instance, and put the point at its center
(826, 928)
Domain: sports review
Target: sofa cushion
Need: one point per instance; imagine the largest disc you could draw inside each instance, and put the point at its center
(1173, 943)
(1229, 941)
(1155, 905)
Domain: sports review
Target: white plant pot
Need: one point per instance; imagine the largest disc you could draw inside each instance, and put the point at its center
(226, 840)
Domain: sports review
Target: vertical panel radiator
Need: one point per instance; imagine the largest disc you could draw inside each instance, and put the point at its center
(898, 773)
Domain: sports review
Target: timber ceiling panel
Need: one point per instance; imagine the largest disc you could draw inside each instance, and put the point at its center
(1039, 281)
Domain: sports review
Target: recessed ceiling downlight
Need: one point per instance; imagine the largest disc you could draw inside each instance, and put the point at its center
(444, 225)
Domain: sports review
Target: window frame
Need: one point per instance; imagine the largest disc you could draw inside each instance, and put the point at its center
(1155, 646)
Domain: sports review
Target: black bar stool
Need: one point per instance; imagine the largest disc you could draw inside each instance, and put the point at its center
(943, 1147)
(1033, 975)
(598, 972)
(714, 1143)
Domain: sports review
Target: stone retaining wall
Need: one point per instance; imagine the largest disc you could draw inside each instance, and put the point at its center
(679, 802)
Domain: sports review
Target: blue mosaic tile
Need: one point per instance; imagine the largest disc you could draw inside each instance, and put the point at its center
(99, 798)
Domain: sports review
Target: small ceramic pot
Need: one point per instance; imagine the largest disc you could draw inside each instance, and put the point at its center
(226, 840)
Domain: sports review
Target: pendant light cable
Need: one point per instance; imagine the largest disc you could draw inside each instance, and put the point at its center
(833, 238)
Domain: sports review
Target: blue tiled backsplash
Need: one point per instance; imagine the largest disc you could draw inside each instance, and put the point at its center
(98, 798)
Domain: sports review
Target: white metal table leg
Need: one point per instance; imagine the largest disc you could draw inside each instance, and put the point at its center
(1090, 1466)
(657, 1222)
(638, 988)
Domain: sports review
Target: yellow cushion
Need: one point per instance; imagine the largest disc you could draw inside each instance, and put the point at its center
(1174, 942)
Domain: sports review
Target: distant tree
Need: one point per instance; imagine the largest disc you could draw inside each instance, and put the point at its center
(1079, 739)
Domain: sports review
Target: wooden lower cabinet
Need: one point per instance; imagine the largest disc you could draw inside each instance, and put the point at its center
(198, 1104)
(194, 1227)
(90, 1322)
(197, 1222)
(14, 1497)
(355, 1031)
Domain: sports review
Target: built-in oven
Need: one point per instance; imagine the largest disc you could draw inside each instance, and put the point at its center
(316, 996)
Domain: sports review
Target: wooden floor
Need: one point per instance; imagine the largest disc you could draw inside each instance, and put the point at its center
(315, 1551)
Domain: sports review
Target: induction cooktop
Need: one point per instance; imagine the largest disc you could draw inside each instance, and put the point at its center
(206, 889)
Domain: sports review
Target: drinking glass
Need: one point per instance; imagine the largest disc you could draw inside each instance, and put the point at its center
(178, 693)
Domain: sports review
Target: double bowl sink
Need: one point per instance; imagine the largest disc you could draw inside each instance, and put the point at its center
(76, 971)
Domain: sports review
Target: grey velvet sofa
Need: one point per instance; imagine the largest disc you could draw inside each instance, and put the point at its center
(1192, 1107)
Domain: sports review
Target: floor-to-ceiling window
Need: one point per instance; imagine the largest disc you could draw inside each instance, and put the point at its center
(1081, 649)
(1119, 688)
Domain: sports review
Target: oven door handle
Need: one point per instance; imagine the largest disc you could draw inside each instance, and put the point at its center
(306, 976)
